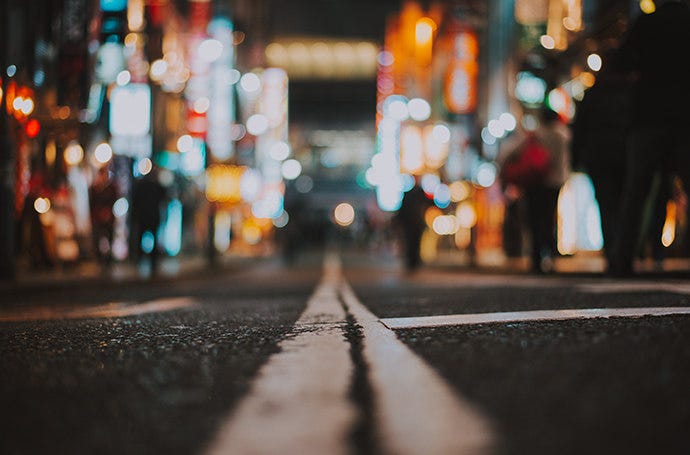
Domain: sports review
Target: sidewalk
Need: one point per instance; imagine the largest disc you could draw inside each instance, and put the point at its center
(90, 272)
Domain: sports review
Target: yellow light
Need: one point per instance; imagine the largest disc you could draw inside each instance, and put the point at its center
(466, 215)
(344, 214)
(131, 39)
(460, 190)
(223, 183)
(668, 233)
(424, 30)
(431, 214)
(135, 15)
(647, 6)
(587, 79)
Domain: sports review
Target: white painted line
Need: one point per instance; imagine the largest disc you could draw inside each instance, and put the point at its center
(298, 404)
(416, 411)
(523, 316)
(637, 286)
(108, 310)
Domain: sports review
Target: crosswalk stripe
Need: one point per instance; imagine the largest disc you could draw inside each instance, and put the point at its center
(524, 316)
(298, 403)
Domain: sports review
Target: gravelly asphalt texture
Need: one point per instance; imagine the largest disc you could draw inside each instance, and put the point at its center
(572, 387)
(604, 386)
(156, 383)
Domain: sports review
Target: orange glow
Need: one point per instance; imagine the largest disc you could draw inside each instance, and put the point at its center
(424, 40)
(431, 214)
(223, 183)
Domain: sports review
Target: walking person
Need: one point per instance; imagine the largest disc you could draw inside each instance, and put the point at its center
(410, 220)
(599, 142)
(148, 197)
(655, 49)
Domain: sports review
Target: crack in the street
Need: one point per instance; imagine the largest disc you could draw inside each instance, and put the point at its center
(362, 436)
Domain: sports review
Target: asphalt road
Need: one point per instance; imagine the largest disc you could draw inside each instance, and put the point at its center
(76, 376)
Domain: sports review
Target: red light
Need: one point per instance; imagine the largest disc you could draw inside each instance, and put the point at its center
(33, 127)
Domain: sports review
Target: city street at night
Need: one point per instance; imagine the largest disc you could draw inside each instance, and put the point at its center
(269, 359)
(344, 227)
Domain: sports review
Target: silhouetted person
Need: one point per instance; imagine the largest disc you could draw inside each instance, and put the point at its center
(542, 197)
(600, 132)
(656, 49)
(102, 196)
(147, 200)
(410, 220)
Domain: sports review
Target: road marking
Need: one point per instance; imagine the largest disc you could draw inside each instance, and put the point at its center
(416, 411)
(298, 403)
(639, 286)
(524, 316)
(108, 310)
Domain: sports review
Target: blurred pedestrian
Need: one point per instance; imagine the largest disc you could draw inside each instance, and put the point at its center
(147, 200)
(542, 197)
(655, 49)
(410, 221)
(535, 166)
(102, 197)
(600, 132)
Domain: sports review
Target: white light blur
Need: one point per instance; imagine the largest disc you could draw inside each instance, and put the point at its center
(547, 42)
(411, 149)
(594, 62)
(419, 109)
(291, 169)
(250, 185)
(389, 197)
(397, 110)
(304, 184)
(441, 133)
(486, 174)
(185, 143)
(42, 204)
(442, 196)
(74, 153)
(385, 58)
(201, 105)
(210, 50)
(158, 69)
(123, 78)
(487, 137)
(103, 153)
(234, 76)
(406, 182)
(507, 121)
(144, 166)
(257, 124)
(496, 129)
(430, 182)
(250, 82)
(279, 151)
(445, 225)
(466, 215)
(344, 214)
(282, 220)
(120, 207)
(270, 206)
(222, 224)
(11, 70)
